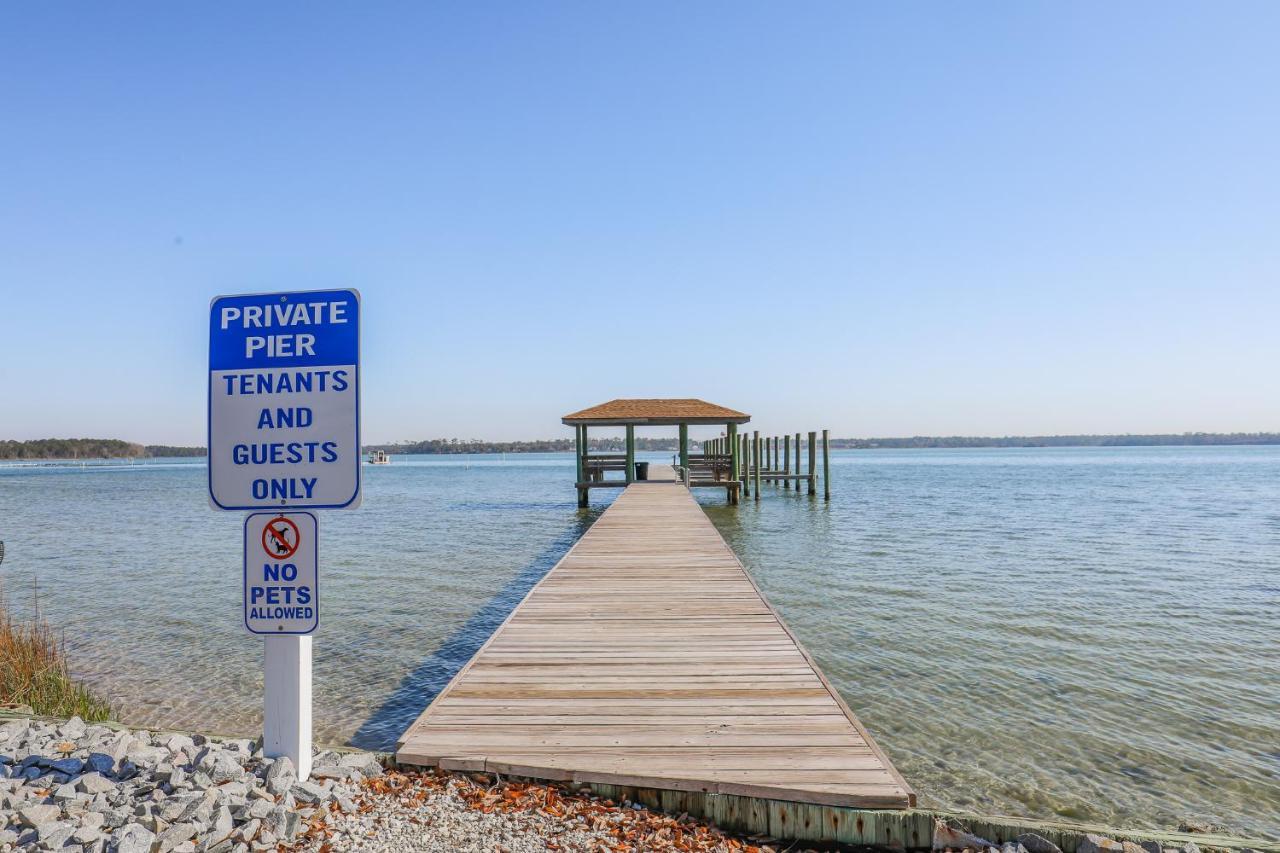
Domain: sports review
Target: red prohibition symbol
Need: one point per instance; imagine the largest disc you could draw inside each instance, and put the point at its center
(280, 538)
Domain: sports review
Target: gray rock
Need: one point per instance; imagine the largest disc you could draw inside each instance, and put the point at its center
(1037, 843)
(200, 780)
(175, 835)
(224, 768)
(133, 838)
(1151, 846)
(85, 834)
(73, 728)
(259, 809)
(95, 783)
(281, 776)
(308, 792)
(66, 792)
(1191, 846)
(369, 765)
(282, 823)
(7, 837)
(181, 743)
(331, 771)
(249, 830)
(223, 823)
(147, 756)
(33, 816)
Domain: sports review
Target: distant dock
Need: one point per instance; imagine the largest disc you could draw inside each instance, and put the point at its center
(647, 657)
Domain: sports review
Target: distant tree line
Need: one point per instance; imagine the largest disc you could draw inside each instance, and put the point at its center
(114, 448)
(71, 448)
(551, 445)
(1171, 440)
(170, 450)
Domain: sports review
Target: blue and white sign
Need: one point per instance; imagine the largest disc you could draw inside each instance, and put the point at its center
(281, 595)
(284, 400)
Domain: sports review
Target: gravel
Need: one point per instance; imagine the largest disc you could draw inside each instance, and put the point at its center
(435, 811)
(84, 788)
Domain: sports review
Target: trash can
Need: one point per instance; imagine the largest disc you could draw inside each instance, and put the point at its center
(642, 470)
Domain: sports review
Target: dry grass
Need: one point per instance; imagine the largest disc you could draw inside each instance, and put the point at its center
(33, 671)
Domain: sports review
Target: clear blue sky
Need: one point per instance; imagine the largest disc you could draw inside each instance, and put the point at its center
(886, 219)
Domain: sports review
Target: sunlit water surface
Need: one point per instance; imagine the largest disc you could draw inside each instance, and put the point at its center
(1091, 634)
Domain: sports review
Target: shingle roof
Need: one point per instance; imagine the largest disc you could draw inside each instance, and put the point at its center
(677, 411)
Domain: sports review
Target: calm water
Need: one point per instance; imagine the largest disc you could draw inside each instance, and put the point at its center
(1092, 634)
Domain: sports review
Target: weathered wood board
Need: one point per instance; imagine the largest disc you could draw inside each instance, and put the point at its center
(647, 657)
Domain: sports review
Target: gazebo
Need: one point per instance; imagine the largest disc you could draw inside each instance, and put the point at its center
(661, 412)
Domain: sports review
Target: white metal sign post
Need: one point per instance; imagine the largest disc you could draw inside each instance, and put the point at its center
(284, 435)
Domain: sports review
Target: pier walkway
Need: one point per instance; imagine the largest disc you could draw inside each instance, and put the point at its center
(647, 657)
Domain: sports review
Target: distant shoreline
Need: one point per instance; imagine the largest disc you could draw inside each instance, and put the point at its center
(111, 448)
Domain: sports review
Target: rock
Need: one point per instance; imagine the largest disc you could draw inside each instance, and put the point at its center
(66, 792)
(282, 823)
(248, 831)
(1097, 844)
(85, 834)
(73, 728)
(175, 835)
(1190, 847)
(95, 783)
(8, 837)
(99, 762)
(1132, 847)
(1037, 843)
(132, 838)
(332, 771)
(281, 776)
(224, 768)
(33, 816)
(947, 836)
(259, 809)
(181, 743)
(222, 824)
(69, 766)
(369, 765)
(308, 792)
(147, 756)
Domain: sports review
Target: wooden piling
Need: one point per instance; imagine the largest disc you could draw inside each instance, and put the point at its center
(580, 433)
(797, 461)
(813, 463)
(684, 446)
(732, 440)
(826, 466)
(755, 455)
(786, 459)
(746, 464)
(631, 453)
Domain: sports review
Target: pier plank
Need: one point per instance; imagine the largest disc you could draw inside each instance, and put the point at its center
(648, 657)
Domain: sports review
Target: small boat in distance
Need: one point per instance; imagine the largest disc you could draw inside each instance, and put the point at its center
(379, 457)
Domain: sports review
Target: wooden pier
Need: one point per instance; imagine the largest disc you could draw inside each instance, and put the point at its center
(648, 657)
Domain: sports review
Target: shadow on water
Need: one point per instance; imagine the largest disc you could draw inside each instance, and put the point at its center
(421, 686)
